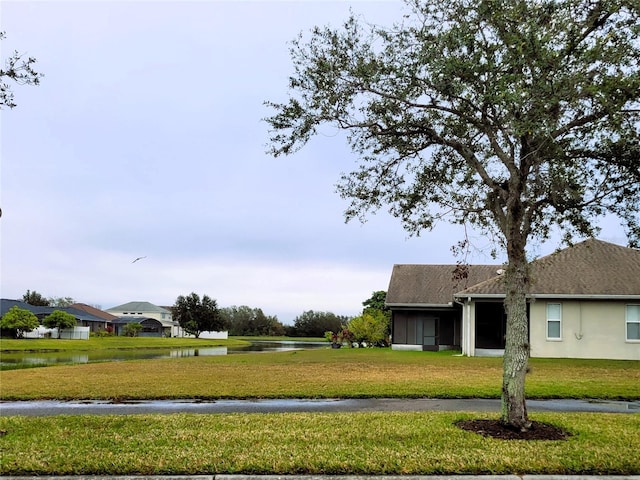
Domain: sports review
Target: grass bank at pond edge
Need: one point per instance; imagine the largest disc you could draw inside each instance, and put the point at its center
(322, 373)
(108, 343)
(360, 443)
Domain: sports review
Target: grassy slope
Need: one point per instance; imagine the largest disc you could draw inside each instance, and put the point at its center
(106, 343)
(323, 373)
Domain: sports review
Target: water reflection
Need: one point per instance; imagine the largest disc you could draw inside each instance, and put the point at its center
(12, 361)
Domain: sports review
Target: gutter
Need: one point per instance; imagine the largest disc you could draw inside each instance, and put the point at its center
(420, 305)
(572, 296)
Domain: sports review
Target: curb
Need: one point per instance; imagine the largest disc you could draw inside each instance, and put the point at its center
(325, 477)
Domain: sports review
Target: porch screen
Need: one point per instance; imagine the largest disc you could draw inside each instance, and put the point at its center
(407, 329)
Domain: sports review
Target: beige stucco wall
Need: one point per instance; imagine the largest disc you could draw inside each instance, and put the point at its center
(131, 313)
(590, 329)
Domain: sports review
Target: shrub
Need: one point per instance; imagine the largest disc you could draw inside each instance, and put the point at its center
(131, 329)
(17, 321)
(370, 328)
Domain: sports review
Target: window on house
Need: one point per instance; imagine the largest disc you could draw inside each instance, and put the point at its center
(554, 321)
(633, 322)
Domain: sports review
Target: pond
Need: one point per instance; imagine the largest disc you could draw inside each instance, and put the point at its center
(17, 360)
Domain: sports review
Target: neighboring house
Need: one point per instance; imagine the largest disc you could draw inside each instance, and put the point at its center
(424, 313)
(151, 327)
(583, 302)
(84, 319)
(156, 321)
(103, 321)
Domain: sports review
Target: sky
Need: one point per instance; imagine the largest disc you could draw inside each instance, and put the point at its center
(146, 139)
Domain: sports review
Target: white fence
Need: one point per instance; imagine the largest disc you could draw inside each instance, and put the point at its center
(75, 333)
(214, 335)
(207, 335)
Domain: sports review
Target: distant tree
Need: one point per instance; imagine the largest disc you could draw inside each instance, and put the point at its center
(375, 306)
(196, 316)
(244, 320)
(19, 70)
(370, 328)
(17, 321)
(315, 324)
(35, 299)
(60, 320)
(377, 301)
(132, 329)
(60, 301)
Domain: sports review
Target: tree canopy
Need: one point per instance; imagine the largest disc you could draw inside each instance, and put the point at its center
(376, 301)
(195, 315)
(244, 320)
(517, 117)
(314, 324)
(59, 319)
(17, 321)
(35, 299)
(61, 301)
(21, 71)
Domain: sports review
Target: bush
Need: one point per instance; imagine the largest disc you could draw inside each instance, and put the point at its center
(131, 329)
(17, 321)
(341, 336)
(370, 329)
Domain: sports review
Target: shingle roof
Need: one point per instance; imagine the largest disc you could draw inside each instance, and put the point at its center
(143, 307)
(93, 311)
(6, 304)
(590, 268)
(431, 284)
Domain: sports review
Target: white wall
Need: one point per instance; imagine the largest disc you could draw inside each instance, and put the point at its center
(214, 335)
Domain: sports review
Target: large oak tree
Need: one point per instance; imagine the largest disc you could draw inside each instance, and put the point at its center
(197, 315)
(519, 118)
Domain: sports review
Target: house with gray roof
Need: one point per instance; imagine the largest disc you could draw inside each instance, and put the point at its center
(92, 319)
(156, 321)
(583, 302)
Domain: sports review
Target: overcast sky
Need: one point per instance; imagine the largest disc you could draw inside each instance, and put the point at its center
(145, 138)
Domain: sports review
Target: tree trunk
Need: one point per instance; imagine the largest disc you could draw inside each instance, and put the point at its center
(516, 353)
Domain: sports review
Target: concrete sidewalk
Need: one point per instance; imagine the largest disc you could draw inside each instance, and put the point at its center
(105, 407)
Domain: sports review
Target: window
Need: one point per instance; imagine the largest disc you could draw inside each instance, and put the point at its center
(554, 321)
(633, 322)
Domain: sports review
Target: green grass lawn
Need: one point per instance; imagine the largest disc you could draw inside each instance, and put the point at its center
(310, 443)
(315, 443)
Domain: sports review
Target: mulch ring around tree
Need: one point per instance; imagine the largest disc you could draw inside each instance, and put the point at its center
(497, 429)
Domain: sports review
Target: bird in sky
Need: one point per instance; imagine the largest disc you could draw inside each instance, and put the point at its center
(139, 258)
